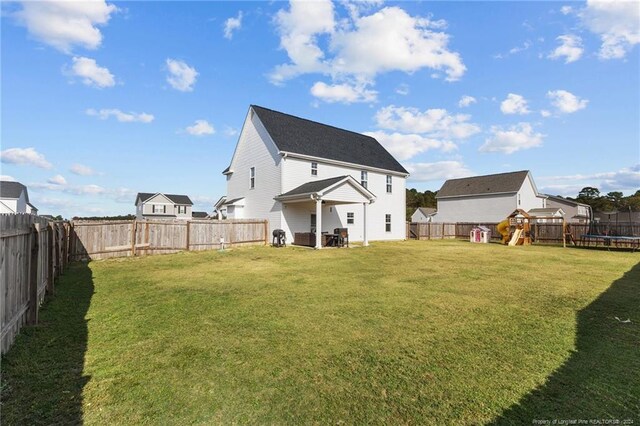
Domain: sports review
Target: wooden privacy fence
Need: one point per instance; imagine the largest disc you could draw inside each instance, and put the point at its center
(544, 233)
(105, 239)
(33, 253)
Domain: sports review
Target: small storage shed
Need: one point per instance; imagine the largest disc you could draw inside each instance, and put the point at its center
(480, 234)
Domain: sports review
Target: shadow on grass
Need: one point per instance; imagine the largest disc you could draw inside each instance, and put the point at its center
(42, 378)
(601, 379)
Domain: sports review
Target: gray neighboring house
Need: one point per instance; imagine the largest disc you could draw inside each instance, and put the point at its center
(575, 212)
(14, 198)
(163, 206)
(548, 215)
(489, 198)
(200, 215)
(423, 214)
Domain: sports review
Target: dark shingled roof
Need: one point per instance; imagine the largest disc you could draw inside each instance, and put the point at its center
(482, 185)
(178, 199)
(427, 210)
(10, 189)
(199, 215)
(315, 186)
(306, 137)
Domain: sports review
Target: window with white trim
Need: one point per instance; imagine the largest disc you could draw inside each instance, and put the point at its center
(252, 177)
(387, 223)
(350, 218)
(159, 208)
(363, 178)
(389, 185)
(182, 209)
(314, 169)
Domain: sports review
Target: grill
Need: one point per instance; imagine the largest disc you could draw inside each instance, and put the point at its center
(342, 236)
(279, 238)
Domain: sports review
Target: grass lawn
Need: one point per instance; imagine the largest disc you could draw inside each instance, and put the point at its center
(410, 332)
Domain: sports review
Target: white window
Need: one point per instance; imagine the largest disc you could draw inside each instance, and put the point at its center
(182, 209)
(252, 177)
(159, 209)
(314, 169)
(389, 186)
(350, 218)
(387, 222)
(363, 178)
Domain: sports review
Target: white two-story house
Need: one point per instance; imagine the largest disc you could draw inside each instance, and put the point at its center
(163, 206)
(489, 198)
(308, 177)
(14, 198)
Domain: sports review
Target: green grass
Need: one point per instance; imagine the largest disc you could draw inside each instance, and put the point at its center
(398, 333)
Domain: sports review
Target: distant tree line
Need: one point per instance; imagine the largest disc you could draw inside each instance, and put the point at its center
(121, 217)
(612, 201)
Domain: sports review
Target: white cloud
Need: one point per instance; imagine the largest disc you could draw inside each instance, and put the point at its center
(514, 104)
(466, 100)
(570, 48)
(65, 24)
(26, 156)
(616, 22)
(344, 93)
(566, 10)
(404, 146)
(57, 180)
(91, 73)
(7, 178)
(230, 131)
(79, 169)
(545, 113)
(71, 189)
(231, 25)
(181, 76)
(433, 122)
(441, 170)
(515, 138)
(123, 117)
(402, 89)
(360, 47)
(566, 102)
(626, 179)
(200, 128)
(514, 50)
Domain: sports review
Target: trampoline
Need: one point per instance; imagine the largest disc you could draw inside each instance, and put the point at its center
(608, 241)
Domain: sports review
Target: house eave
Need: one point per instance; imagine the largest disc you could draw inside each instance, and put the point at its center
(342, 163)
(476, 195)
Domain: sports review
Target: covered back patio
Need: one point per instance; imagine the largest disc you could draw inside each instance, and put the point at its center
(315, 209)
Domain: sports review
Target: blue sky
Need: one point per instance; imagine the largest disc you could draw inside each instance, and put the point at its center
(101, 100)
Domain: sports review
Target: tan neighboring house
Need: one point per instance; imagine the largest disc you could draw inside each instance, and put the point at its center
(163, 206)
(547, 215)
(14, 198)
(575, 212)
(423, 214)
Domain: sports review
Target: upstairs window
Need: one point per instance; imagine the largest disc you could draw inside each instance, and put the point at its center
(159, 209)
(182, 209)
(363, 178)
(314, 169)
(387, 223)
(350, 218)
(252, 177)
(389, 186)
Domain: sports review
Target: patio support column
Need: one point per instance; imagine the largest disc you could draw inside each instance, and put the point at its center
(365, 239)
(318, 223)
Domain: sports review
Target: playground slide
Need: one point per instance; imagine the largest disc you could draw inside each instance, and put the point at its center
(503, 229)
(516, 236)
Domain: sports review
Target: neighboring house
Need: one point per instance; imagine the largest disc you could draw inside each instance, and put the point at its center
(575, 212)
(14, 198)
(489, 198)
(548, 215)
(200, 215)
(423, 214)
(163, 206)
(305, 176)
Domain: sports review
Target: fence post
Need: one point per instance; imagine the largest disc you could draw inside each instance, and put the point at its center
(134, 228)
(50, 278)
(33, 275)
(266, 232)
(188, 232)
